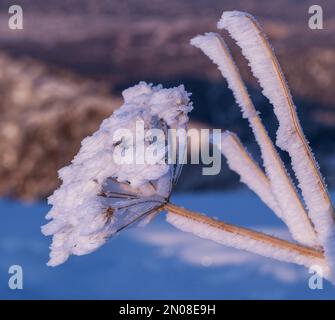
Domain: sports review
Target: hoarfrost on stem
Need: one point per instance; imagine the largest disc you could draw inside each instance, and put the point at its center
(250, 37)
(288, 205)
(243, 243)
(240, 161)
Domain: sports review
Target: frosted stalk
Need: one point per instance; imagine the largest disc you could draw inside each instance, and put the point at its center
(240, 161)
(291, 209)
(290, 137)
(243, 242)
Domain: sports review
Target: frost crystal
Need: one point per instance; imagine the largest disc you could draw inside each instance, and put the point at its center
(100, 196)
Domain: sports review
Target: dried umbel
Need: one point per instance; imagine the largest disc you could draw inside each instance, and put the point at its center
(100, 197)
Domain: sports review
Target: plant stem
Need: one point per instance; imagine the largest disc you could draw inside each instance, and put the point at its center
(293, 115)
(300, 226)
(254, 235)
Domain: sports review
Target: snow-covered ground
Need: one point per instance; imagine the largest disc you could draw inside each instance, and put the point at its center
(156, 261)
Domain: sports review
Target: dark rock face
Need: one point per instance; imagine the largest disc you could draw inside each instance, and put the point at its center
(105, 46)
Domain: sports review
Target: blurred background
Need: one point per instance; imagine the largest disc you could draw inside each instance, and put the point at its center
(64, 73)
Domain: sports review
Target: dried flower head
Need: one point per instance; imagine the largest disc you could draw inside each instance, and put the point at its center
(100, 196)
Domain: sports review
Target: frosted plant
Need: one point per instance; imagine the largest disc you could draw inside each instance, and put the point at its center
(240, 161)
(315, 226)
(99, 197)
(290, 208)
(244, 29)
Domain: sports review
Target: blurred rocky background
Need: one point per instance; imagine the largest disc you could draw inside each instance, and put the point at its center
(64, 72)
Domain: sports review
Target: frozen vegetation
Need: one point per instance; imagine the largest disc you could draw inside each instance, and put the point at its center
(99, 197)
(84, 211)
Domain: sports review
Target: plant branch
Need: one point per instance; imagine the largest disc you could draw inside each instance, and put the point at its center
(244, 232)
(293, 114)
(240, 161)
(291, 209)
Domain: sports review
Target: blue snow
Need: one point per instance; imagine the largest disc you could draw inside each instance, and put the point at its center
(153, 262)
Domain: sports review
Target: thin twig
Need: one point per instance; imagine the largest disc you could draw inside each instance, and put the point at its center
(144, 214)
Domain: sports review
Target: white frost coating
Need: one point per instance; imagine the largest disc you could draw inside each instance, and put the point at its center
(290, 207)
(244, 29)
(240, 161)
(290, 137)
(98, 197)
(243, 242)
(216, 49)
